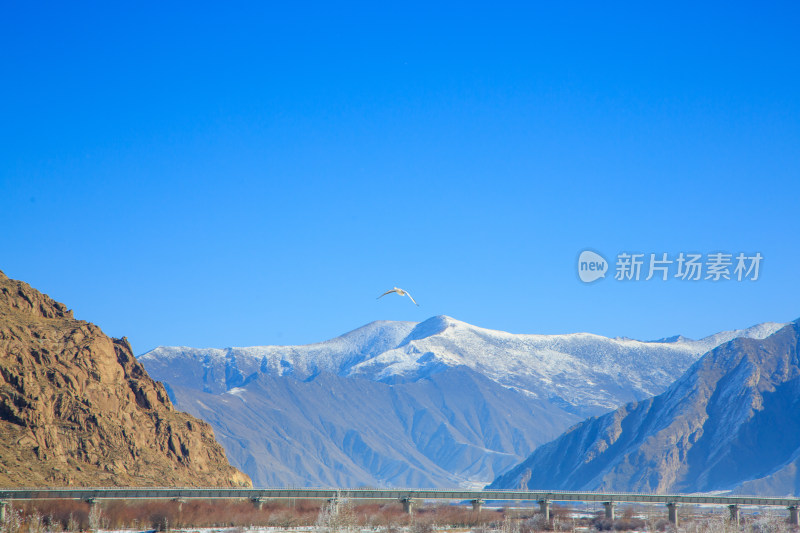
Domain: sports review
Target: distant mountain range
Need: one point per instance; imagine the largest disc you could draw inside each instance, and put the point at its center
(730, 423)
(431, 404)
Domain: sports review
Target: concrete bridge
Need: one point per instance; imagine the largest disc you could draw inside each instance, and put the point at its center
(407, 497)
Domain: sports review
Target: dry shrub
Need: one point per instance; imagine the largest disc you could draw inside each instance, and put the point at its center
(662, 524)
(423, 526)
(559, 512)
(457, 516)
(769, 524)
(13, 520)
(620, 524)
(69, 515)
(535, 523)
(380, 514)
(55, 515)
(301, 506)
(336, 515)
(710, 524)
(41, 516)
(509, 525)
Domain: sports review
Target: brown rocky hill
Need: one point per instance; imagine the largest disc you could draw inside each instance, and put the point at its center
(77, 408)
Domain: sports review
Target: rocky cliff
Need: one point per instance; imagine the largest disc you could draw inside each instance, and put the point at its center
(77, 408)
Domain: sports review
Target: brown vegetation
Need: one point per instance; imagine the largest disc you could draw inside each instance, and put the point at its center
(348, 516)
(71, 515)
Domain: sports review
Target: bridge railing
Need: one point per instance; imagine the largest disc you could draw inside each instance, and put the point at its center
(543, 497)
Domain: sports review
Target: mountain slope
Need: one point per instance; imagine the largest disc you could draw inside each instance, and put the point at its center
(77, 408)
(526, 389)
(729, 423)
(455, 428)
(581, 373)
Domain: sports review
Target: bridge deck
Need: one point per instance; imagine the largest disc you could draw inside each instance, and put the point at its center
(389, 494)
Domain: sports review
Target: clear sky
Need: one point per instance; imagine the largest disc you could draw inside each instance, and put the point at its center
(250, 173)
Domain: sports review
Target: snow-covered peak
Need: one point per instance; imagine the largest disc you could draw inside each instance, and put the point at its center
(582, 372)
(436, 325)
(759, 331)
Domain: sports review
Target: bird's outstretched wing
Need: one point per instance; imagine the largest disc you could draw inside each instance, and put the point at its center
(385, 293)
(412, 299)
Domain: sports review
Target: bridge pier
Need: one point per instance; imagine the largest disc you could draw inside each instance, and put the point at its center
(94, 514)
(734, 514)
(609, 507)
(544, 508)
(672, 513)
(258, 503)
(179, 502)
(408, 505)
(92, 505)
(793, 518)
(477, 505)
(333, 503)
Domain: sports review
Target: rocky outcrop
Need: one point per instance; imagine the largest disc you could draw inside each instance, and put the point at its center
(77, 408)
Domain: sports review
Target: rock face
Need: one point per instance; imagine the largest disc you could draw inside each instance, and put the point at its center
(730, 423)
(77, 408)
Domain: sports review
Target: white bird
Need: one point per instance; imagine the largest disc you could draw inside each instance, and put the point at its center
(399, 291)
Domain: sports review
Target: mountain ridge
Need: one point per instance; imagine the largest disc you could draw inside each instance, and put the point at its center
(560, 378)
(618, 370)
(727, 424)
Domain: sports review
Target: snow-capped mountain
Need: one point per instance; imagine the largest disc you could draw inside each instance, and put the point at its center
(385, 404)
(730, 423)
(582, 373)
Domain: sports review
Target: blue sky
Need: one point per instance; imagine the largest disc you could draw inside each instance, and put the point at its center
(210, 175)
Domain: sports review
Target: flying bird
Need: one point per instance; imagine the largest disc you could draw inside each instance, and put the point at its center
(399, 291)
